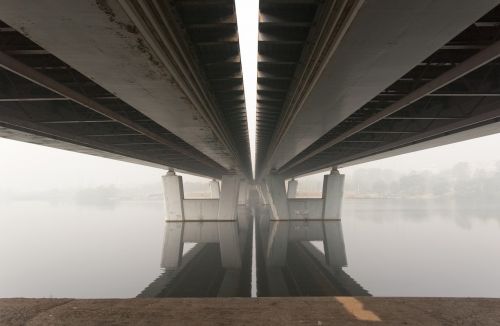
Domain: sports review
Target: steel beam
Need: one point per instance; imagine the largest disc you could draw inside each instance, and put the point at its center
(45, 131)
(131, 62)
(156, 22)
(367, 62)
(45, 99)
(492, 116)
(480, 59)
(20, 69)
(335, 18)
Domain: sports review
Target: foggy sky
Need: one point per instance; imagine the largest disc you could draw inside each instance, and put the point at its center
(24, 165)
(480, 152)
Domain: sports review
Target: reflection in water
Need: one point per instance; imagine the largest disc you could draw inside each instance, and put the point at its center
(218, 265)
(82, 251)
(288, 264)
(463, 213)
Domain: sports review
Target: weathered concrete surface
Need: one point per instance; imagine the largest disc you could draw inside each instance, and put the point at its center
(99, 39)
(385, 40)
(262, 311)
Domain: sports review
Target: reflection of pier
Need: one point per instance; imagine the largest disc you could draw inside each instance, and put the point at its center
(290, 265)
(294, 257)
(219, 264)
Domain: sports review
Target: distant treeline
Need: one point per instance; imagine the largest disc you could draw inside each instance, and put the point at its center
(104, 195)
(460, 181)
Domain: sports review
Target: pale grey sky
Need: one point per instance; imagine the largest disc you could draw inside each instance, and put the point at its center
(38, 167)
(247, 15)
(479, 152)
(34, 167)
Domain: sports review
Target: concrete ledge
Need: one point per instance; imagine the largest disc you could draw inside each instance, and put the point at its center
(200, 209)
(261, 311)
(305, 208)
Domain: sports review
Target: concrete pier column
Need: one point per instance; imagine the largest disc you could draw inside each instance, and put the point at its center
(292, 188)
(173, 245)
(333, 191)
(228, 202)
(263, 195)
(278, 201)
(243, 193)
(214, 189)
(264, 209)
(174, 196)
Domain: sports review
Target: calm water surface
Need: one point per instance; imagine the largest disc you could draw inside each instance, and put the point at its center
(394, 248)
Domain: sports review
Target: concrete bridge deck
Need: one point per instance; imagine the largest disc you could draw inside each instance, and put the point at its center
(161, 83)
(261, 311)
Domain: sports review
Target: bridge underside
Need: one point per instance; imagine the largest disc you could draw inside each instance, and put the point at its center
(383, 85)
(155, 82)
(160, 83)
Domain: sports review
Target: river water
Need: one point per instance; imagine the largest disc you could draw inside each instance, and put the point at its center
(394, 247)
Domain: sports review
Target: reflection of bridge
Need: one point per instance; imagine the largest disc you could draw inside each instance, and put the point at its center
(219, 262)
(218, 265)
(290, 265)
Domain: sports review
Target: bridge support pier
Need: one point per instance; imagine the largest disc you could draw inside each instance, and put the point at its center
(284, 205)
(222, 206)
(292, 188)
(174, 196)
(243, 193)
(228, 202)
(333, 191)
(263, 195)
(274, 187)
(214, 189)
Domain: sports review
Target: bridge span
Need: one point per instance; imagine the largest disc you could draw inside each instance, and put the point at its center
(160, 83)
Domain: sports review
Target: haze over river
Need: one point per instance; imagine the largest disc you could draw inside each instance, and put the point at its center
(394, 247)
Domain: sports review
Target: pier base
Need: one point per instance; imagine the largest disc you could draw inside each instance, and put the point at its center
(284, 205)
(274, 186)
(292, 188)
(243, 193)
(174, 196)
(214, 189)
(221, 206)
(228, 201)
(333, 191)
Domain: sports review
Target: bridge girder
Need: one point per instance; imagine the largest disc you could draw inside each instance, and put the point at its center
(364, 96)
